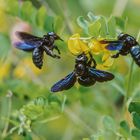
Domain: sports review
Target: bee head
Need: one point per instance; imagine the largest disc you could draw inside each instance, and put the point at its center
(54, 35)
(128, 39)
(81, 58)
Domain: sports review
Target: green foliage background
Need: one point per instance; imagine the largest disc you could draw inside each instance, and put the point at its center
(29, 111)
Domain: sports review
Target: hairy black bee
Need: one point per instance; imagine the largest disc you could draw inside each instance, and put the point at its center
(85, 73)
(37, 45)
(125, 44)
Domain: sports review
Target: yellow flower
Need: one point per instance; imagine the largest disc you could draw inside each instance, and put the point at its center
(76, 45)
(96, 47)
(99, 49)
(4, 69)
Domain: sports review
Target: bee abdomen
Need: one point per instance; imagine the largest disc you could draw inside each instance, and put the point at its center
(38, 57)
(86, 81)
(135, 52)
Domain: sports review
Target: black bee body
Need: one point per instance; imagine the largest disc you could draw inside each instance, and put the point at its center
(81, 71)
(128, 43)
(38, 45)
(135, 53)
(84, 73)
(125, 44)
(37, 57)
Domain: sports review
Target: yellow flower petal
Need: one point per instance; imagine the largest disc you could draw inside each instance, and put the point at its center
(96, 47)
(100, 67)
(108, 62)
(76, 46)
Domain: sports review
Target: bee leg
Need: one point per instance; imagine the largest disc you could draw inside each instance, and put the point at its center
(50, 52)
(115, 55)
(55, 47)
(92, 60)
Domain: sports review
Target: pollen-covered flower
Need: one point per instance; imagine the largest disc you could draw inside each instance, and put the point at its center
(76, 45)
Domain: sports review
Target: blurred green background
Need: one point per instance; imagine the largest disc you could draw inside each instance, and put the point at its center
(28, 108)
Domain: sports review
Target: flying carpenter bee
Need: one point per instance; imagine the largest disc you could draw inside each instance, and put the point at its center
(84, 73)
(125, 44)
(37, 45)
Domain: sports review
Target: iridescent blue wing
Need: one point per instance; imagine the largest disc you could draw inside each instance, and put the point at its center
(65, 83)
(100, 75)
(26, 46)
(28, 42)
(112, 45)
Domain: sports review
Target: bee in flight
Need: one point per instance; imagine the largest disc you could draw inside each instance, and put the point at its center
(37, 45)
(125, 44)
(84, 73)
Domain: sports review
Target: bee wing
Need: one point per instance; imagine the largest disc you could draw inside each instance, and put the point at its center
(26, 36)
(65, 83)
(100, 75)
(28, 42)
(112, 45)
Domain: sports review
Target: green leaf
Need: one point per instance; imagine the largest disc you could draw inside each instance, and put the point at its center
(98, 136)
(94, 29)
(109, 123)
(12, 7)
(58, 24)
(124, 129)
(49, 23)
(112, 26)
(136, 133)
(120, 23)
(41, 14)
(92, 17)
(134, 107)
(28, 12)
(104, 27)
(83, 24)
(136, 119)
(4, 46)
(40, 101)
(63, 103)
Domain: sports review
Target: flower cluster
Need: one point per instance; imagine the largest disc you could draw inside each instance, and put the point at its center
(78, 45)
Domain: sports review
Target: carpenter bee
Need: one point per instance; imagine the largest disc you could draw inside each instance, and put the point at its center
(37, 45)
(85, 73)
(124, 44)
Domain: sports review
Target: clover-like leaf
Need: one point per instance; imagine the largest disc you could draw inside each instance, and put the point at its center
(136, 133)
(134, 107)
(94, 28)
(136, 119)
(92, 17)
(124, 129)
(41, 14)
(109, 123)
(83, 23)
